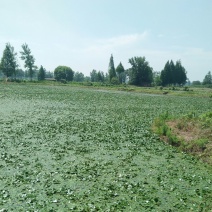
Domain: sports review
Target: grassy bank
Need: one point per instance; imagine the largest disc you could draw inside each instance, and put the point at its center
(191, 133)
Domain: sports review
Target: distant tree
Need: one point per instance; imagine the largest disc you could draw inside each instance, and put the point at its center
(28, 59)
(121, 73)
(35, 73)
(196, 83)
(20, 73)
(87, 79)
(63, 73)
(181, 74)
(8, 63)
(78, 77)
(207, 79)
(49, 74)
(128, 73)
(156, 78)
(140, 73)
(173, 74)
(114, 81)
(166, 75)
(97, 76)
(106, 77)
(94, 76)
(188, 82)
(111, 69)
(1, 74)
(100, 76)
(41, 74)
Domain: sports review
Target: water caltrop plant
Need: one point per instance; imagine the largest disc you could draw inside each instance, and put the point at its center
(68, 148)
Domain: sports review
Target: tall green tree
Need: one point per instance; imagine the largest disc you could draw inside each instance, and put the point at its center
(166, 74)
(173, 74)
(41, 74)
(140, 72)
(94, 76)
(121, 73)
(63, 73)
(8, 63)
(97, 76)
(181, 74)
(100, 76)
(28, 59)
(207, 79)
(111, 69)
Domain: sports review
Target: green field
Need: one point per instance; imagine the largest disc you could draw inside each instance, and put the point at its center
(66, 148)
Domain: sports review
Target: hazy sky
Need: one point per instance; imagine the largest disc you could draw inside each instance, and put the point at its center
(82, 34)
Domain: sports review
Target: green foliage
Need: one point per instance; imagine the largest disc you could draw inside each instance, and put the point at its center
(166, 75)
(78, 77)
(186, 88)
(8, 63)
(189, 125)
(181, 74)
(121, 73)
(41, 74)
(63, 81)
(20, 74)
(63, 73)
(49, 74)
(100, 76)
(160, 124)
(97, 76)
(156, 78)
(201, 143)
(114, 81)
(206, 119)
(140, 73)
(111, 69)
(190, 115)
(194, 83)
(173, 74)
(28, 59)
(94, 76)
(208, 79)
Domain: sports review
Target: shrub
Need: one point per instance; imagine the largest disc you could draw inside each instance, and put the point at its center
(114, 81)
(186, 88)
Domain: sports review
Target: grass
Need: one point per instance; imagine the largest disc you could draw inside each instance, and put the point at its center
(191, 133)
(176, 91)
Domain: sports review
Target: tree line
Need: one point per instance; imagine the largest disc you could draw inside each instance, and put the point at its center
(140, 73)
(207, 81)
(10, 68)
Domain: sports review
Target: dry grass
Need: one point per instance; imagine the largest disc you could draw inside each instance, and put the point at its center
(190, 135)
(194, 138)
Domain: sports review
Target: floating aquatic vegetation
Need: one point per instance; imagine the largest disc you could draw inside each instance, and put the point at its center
(65, 148)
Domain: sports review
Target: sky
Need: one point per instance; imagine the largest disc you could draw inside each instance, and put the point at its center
(82, 34)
